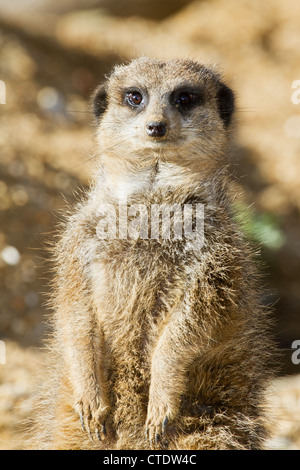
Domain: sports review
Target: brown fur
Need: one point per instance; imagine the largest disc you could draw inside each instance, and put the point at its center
(148, 329)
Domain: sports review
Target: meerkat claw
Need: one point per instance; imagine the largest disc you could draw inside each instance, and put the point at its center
(164, 426)
(82, 422)
(157, 439)
(98, 434)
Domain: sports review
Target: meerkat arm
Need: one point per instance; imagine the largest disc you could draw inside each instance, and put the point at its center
(84, 346)
(82, 338)
(185, 336)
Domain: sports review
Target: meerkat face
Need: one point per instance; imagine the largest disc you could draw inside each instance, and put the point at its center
(164, 109)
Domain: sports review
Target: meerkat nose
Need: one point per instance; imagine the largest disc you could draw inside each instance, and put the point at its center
(156, 128)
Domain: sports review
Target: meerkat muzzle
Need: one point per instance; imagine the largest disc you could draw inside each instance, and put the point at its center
(156, 128)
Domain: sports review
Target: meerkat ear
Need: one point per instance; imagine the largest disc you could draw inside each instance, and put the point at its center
(99, 100)
(225, 99)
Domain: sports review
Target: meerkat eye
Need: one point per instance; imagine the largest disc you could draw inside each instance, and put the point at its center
(134, 98)
(185, 100)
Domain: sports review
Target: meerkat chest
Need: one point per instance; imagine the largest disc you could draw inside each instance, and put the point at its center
(130, 184)
(141, 183)
(142, 256)
(137, 286)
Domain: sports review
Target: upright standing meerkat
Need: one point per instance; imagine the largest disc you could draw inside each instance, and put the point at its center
(158, 342)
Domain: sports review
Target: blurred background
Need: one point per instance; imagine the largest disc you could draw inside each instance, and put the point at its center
(52, 55)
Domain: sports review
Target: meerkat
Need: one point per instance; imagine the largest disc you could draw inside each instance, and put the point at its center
(158, 343)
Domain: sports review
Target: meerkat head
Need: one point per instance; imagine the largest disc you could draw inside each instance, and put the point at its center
(178, 110)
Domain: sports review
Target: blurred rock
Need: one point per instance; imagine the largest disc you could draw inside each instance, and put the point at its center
(284, 405)
(156, 9)
(19, 378)
(10, 255)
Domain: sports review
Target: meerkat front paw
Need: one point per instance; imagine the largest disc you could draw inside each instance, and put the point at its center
(92, 415)
(159, 417)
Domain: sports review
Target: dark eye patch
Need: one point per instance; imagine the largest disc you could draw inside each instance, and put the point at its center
(99, 100)
(186, 98)
(225, 97)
